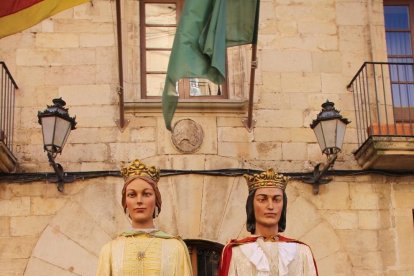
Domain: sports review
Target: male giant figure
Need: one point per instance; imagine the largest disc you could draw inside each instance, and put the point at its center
(266, 252)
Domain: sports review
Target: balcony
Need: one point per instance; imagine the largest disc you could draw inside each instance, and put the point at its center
(384, 110)
(8, 86)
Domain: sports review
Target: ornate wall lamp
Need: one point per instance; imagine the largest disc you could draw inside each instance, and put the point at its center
(56, 126)
(329, 128)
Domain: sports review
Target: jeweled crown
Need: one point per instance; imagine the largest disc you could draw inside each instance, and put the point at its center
(137, 168)
(266, 179)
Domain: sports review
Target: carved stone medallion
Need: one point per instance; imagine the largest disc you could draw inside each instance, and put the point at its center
(187, 136)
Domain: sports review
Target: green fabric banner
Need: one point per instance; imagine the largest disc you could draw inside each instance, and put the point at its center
(205, 30)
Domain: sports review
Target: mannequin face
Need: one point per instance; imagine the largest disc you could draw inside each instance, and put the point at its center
(268, 205)
(140, 203)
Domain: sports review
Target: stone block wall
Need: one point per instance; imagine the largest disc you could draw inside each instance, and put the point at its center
(308, 52)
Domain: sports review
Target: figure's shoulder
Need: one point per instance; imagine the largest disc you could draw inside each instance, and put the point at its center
(165, 235)
(107, 247)
(287, 239)
(172, 240)
(235, 242)
(299, 244)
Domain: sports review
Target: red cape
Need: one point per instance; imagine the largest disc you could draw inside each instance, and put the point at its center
(227, 251)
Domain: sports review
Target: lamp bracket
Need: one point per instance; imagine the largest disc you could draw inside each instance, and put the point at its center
(316, 180)
(61, 176)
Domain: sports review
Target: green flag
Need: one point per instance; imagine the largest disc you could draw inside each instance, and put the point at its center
(205, 30)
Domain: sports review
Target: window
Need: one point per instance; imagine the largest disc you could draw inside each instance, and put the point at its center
(158, 22)
(205, 256)
(399, 22)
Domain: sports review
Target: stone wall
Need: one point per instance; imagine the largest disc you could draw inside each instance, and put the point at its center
(308, 52)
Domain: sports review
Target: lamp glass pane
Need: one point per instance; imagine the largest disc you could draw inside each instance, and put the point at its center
(329, 131)
(62, 131)
(340, 133)
(48, 127)
(319, 136)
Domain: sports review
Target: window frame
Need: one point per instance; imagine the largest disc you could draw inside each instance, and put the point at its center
(410, 5)
(183, 84)
(401, 113)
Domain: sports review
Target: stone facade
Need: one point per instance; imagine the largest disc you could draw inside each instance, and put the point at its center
(308, 52)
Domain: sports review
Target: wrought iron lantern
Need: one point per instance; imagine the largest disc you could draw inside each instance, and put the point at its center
(329, 127)
(56, 127)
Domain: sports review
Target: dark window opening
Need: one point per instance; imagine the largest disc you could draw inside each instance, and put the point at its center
(205, 256)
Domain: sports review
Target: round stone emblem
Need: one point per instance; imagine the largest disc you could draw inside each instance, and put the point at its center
(187, 136)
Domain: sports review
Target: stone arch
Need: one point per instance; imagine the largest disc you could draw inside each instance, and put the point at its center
(195, 206)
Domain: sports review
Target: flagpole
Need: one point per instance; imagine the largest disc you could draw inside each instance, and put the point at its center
(121, 122)
(250, 123)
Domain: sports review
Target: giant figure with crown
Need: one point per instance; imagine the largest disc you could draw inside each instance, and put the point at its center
(266, 252)
(143, 249)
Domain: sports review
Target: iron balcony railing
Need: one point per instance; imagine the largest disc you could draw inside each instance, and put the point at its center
(7, 105)
(384, 99)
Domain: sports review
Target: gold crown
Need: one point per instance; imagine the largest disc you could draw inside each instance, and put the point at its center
(137, 168)
(266, 179)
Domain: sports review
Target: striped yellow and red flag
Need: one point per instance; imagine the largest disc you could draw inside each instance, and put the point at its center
(18, 15)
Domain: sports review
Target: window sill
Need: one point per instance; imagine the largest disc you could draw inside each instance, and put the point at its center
(216, 105)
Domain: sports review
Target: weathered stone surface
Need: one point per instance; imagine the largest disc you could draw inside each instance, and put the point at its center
(299, 221)
(85, 95)
(374, 219)
(19, 206)
(404, 229)
(325, 246)
(46, 205)
(234, 134)
(4, 226)
(300, 82)
(167, 220)
(363, 197)
(335, 264)
(12, 267)
(286, 61)
(216, 192)
(188, 207)
(86, 232)
(234, 217)
(342, 219)
(73, 258)
(28, 225)
(37, 266)
(351, 13)
(129, 151)
(294, 151)
(106, 210)
(403, 199)
(96, 40)
(364, 241)
(16, 247)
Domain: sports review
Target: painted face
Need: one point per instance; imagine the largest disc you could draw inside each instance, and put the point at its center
(140, 202)
(268, 205)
